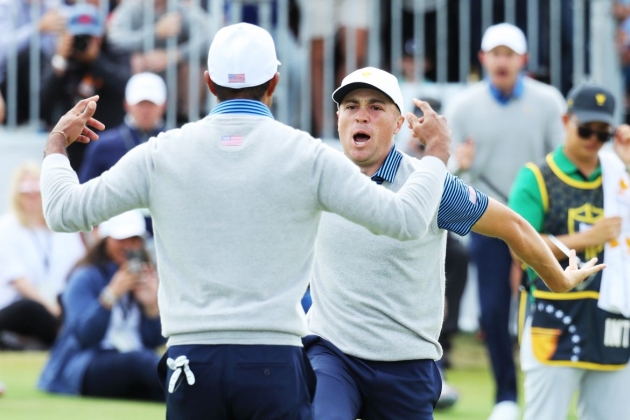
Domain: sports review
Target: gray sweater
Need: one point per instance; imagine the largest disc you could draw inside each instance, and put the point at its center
(506, 136)
(235, 226)
(374, 297)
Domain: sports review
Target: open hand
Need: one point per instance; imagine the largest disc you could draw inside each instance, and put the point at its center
(74, 124)
(575, 275)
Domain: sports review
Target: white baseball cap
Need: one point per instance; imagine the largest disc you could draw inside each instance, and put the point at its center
(123, 226)
(241, 56)
(370, 77)
(504, 34)
(145, 87)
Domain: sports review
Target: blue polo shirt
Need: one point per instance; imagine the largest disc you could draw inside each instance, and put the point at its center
(461, 205)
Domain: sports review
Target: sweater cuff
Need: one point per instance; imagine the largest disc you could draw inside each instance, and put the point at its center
(434, 165)
(55, 160)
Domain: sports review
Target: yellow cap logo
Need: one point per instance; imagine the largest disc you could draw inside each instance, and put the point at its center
(366, 73)
(570, 102)
(601, 99)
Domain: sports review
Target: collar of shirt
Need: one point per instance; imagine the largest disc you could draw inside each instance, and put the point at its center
(242, 106)
(387, 171)
(516, 93)
(570, 169)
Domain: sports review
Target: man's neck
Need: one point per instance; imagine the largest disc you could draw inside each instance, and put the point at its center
(586, 166)
(131, 122)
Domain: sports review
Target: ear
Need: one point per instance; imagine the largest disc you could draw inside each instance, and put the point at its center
(481, 56)
(399, 123)
(565, 119)
(273, 83)
(126, 106)
(525, 59)
(206, 77)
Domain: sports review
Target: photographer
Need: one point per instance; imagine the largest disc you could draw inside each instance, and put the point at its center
(111, 321)
(85, 64)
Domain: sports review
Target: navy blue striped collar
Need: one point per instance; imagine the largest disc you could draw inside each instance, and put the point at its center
(387, 171)
(242, 106)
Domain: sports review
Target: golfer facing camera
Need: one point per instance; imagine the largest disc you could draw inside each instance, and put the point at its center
(378, 303)
(236, 199)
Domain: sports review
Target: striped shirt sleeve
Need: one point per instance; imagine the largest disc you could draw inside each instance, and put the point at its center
(461, 206)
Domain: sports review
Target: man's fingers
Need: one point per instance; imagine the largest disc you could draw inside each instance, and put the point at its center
(82, 104)
(93, 122)
(89, 110)
(593, 270)
(89, 134)
(411, 119)
(590, 264)
(423, 105)
(572, 260)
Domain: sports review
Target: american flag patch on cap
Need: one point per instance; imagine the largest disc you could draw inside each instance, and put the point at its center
(236, 78)
(231, 140)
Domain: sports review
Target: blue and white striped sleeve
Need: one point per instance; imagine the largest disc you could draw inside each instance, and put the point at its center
(461, 206)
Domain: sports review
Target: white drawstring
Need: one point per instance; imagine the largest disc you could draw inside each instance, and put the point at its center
(177, 365)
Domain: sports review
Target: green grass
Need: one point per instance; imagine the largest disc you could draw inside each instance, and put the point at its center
(19, 372)
(22, 401)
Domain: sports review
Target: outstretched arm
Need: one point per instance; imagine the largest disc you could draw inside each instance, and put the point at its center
(530, 248)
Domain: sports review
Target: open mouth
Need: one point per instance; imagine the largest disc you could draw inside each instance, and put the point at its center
(502, 73)
(360, 139)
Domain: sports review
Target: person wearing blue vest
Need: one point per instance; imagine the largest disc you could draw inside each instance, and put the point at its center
(499, 124)
(236, 199)
(579, 341)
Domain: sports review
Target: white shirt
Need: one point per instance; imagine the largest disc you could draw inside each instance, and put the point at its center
(43, 257)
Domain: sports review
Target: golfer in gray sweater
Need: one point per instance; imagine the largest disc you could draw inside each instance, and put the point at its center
(236, 200)
(378, 303)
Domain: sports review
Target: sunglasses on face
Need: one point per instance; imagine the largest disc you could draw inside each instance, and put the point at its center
(586, 132)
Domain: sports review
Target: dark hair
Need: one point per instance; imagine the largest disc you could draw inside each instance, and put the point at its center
(255, 92)
(97, 255)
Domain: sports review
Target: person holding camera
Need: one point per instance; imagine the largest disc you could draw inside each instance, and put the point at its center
(85, 64)
(112, 323)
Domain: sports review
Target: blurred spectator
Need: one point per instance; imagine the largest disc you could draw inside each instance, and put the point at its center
(622, 13)
(112, 324)
(15, 17)
(145, 104)
(35, 263)
(85, 64)
(127, 32)
(328, 18)
(499, 124)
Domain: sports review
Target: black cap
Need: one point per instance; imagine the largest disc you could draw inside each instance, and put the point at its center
(591, 103)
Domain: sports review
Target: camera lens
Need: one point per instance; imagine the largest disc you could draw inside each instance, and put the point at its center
(81, 42)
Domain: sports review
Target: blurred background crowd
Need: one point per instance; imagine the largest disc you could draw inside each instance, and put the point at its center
(146, 58)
